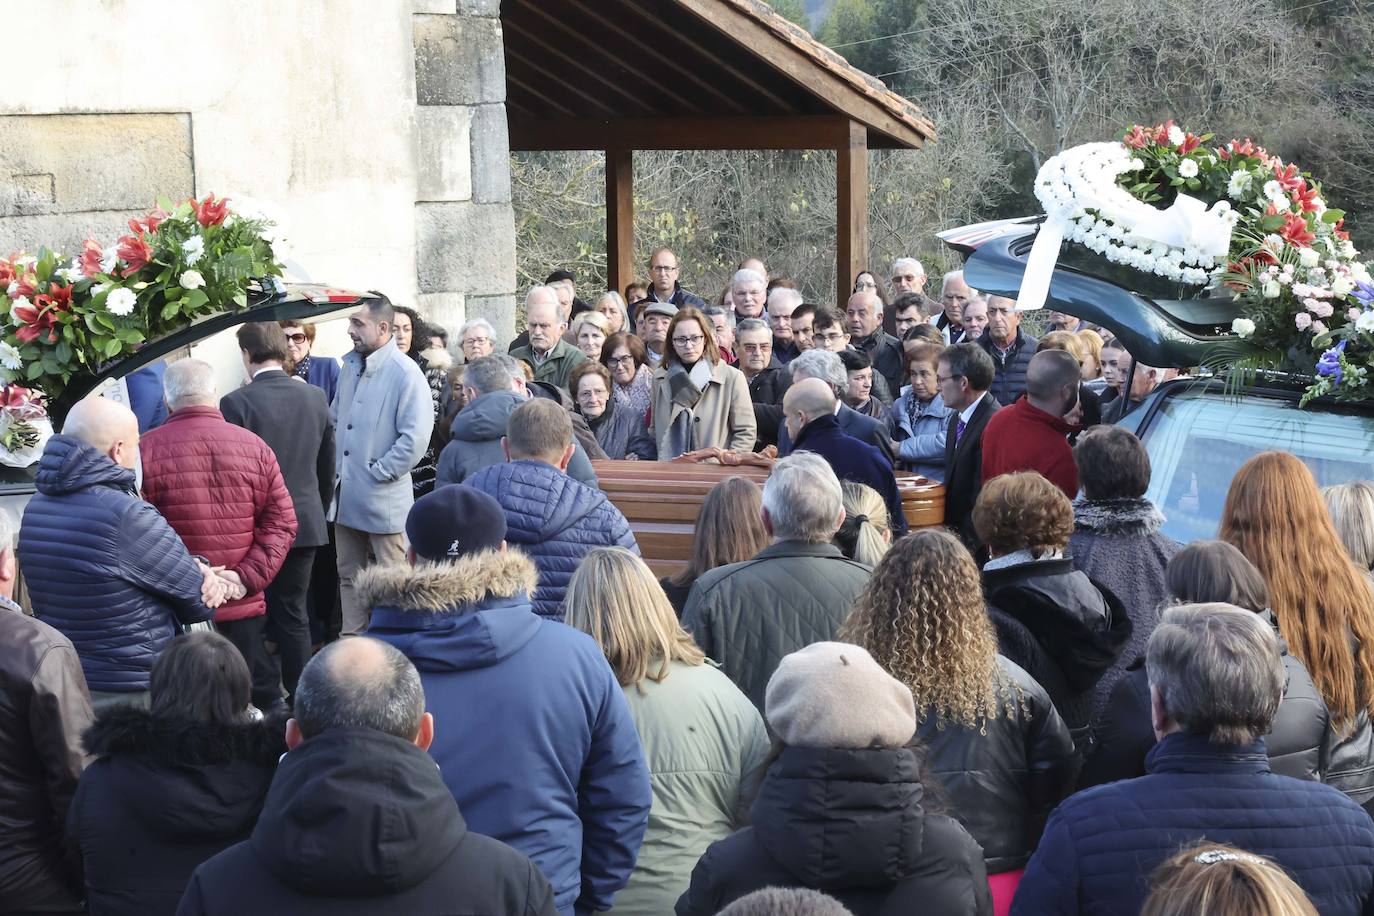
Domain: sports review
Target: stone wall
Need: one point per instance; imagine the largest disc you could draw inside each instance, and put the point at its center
(378, 125)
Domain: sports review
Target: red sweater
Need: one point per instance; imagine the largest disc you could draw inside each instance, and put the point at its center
(219, 487)
(1026, 438)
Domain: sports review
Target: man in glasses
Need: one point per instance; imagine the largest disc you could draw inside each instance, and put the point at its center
(664, 285)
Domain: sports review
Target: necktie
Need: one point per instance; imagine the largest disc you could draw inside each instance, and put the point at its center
(959, 430)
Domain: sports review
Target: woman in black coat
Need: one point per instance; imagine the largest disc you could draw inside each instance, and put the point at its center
(843, 807)
(172, 785)
(1204, 572)
(1065, 629)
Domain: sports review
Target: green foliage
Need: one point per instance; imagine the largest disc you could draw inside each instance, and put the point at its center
(795, 10)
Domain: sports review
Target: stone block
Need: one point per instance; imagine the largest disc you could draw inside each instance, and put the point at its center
(52, 164)
(434, 6)
(490, 155)
(487, 8)
(465, 247)
(444, 166)
(458, 60)
(500, 311)
(63, 232)
(448, 310)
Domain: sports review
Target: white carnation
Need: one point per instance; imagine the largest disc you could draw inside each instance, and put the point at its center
(1271, 289)
(1274, 191)
(121, 301)
(1239, 184)
(1176, 135)
(1309, 257)
(1342, 287)
(193, 248)
(1187, 169)
(1242, 327)
(71, 274)
(9, 356)
(191, 279)
(1365, 323)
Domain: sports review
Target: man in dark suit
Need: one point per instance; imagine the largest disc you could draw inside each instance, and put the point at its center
(293, 419)
(826, 366)
(965, 374)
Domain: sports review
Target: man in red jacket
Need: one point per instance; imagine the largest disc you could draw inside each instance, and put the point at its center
(1031, 435)
(219, 487)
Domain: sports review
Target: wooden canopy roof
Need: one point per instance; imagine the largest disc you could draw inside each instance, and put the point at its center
(621, 75)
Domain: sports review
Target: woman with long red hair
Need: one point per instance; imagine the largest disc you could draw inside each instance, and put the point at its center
(1275, 515)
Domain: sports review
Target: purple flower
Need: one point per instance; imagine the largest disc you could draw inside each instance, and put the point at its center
(1365, 293)
(1330, 363)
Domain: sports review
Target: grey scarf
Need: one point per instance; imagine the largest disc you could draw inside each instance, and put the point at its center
(684, 390)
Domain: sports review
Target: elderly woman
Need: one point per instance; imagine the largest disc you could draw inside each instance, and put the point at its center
(612, 307)
(476, 339)
(320, 371)
(624, 355)
(613, 425)
(588, 332)
(699, 401)
(1066, 630)
(1352, 512)
(703, 740)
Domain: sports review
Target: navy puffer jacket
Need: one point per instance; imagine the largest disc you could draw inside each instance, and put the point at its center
(555, 520)
(103, 567)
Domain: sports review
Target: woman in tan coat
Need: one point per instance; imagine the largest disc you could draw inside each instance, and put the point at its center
(698, 400)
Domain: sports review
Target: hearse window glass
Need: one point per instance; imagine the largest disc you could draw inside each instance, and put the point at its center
(1198, 440)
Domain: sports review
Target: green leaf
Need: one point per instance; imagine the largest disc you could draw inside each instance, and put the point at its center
(1333, 216)
(112, 347)
(93, 323)
(63, 353)
(170, 309)
(33, 370)
(195, 299)
(1271, 223)
(1194, 184)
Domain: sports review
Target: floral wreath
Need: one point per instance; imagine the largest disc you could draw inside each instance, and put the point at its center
(1239, 221)
(71, 315)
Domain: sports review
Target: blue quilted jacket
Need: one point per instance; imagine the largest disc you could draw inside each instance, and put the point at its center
(104, 567)
(1100, 845)
(555, 520)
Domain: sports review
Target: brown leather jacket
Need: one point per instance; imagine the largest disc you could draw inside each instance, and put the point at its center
(44, 708)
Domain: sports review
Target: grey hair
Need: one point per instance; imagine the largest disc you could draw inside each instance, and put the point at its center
(383, 694)
(189, 381)
(1218, 671)
(803, 499)
(536, 290)
(619, 301)
(785, 292)
(8, 530)
(712, 311)
(920, 270)
(950, 275)
(1351, 506)
(786, 901)
(821, 364)
(490, 373)
(745, 275)
(752, 324)
(473, 324)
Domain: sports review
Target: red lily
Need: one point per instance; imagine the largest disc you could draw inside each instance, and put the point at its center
(1295, 231)
(210, 212)
(1137, 138)
(134, 252)
(1339, 230)
(1162, 132)
(1189, 144)
(7, 275)
(27, 285)
(1288, 177)
(1306, 197)
(41, 317)
(91, 256)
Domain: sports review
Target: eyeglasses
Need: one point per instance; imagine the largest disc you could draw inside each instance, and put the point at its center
(619, 360)
(296, 338)
(663, 268)
(475, 341)
(865, 284)
(830, 338)
(691, 341)
(946, 378)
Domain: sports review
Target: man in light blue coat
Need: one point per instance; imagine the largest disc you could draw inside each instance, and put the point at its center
(383, 417)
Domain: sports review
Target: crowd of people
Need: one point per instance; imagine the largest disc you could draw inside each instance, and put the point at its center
(1044, 706)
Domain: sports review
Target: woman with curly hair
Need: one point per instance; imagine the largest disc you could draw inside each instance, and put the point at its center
(1274, 514)
(412, 338)
(995, 740)
(1065, 629)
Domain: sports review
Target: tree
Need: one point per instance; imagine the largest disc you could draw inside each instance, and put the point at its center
(795, 10)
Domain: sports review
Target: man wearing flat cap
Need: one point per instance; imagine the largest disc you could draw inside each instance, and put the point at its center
(533, 734)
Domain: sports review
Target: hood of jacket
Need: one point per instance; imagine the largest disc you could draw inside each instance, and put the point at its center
(436, 358)
(471, 613)
(485, 418)
(354, 812)
(842, 818)
(1127, 516)
(541, 502)
(1080, 624)
(188, 780)
(69, 465)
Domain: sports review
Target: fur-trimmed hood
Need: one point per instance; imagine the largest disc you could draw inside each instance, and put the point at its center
(437, 358)
(178, 742)
(448, 587)
(1117, 516)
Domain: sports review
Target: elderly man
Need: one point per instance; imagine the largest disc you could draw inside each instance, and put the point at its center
(220, 488)
(493, 387)
(975, 321)
(908, 276)
(748, 293)
(477, 339)
(1011, 349)
(782, 302)
(383, 418)
(664, 285)
(954, 295)
(723, 323)
(809, 408)
(768, 380)
(1062, 321)
(828, 367)
(128, 584)
(44, 709)
(757, 266)
(747, 616)
(1216, 679)
(964, 375)
(550, 356)
(294, 422)
(1144, 379)
(864, 313)
(1032, 434)
(653, 327)
(358, 819)
(803, 326)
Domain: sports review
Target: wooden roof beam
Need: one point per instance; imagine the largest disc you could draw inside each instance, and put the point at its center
(783, 133)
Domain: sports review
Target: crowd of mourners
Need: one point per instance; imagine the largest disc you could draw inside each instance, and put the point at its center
(1044, 706)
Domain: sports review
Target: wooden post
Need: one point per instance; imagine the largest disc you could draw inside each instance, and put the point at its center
(851, 205)
(620, 218)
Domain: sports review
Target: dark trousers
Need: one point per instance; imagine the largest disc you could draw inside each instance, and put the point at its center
(326, 616)
(288, 614)
(247, 635)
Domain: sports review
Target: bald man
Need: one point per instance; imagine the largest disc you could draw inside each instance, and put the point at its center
(101, 565)
(864, 318)
(1032, 434)
(809, 409)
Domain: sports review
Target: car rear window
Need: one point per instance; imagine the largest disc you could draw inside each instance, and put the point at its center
(1199, 439)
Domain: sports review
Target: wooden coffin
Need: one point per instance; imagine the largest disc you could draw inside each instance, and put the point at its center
(661, 501)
